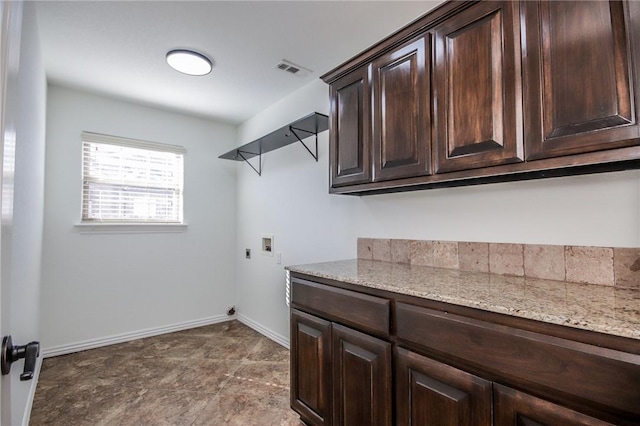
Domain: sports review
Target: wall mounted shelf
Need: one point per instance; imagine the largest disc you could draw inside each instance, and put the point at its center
(293, 132)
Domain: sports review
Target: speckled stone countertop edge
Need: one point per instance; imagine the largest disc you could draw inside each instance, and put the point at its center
(599, 317)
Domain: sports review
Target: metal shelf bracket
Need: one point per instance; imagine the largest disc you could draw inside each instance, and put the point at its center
(293, 131)
(241, 155)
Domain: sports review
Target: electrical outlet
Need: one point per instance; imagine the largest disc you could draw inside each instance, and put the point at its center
(247, 253)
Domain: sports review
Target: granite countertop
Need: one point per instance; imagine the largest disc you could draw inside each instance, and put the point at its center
(604, 309)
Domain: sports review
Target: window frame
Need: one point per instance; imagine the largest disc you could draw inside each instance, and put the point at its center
(129, 226)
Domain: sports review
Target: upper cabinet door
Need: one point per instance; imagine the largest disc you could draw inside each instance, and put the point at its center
(350, 133)
(578, 70)
(402, 111)
(478, 88)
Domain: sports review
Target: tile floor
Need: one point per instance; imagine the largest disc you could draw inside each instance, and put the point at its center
(222, 374)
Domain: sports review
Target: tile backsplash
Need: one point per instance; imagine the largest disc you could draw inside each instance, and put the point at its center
(609, 266)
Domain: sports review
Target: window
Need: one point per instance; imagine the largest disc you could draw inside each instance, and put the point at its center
(128, 181)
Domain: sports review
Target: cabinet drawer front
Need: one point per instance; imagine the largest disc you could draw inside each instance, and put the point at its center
(608, 379)
(363, 312)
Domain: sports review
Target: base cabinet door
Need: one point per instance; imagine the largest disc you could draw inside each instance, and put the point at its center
(435, 394)
(518, 408)
(361, 379)
(311, 368)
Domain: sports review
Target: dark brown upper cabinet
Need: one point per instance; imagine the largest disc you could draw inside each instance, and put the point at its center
(579, 66)
(350, 129)
(402, 111)
(478, 88)
(489, 91)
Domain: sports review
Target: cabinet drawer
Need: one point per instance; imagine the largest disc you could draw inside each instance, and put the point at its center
(606, 378)
(360, 311)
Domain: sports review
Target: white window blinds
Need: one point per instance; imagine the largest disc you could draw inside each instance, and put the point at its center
(130, 181)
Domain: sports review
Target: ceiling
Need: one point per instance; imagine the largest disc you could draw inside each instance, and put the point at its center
(118, 48)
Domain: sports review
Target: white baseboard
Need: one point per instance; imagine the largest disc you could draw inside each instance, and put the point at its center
(278, 338)
(32, 392)
(126, 337)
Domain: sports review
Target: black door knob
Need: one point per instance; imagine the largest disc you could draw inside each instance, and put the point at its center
(11, 354)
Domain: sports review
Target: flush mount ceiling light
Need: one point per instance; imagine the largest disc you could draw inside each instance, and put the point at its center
(189, 62)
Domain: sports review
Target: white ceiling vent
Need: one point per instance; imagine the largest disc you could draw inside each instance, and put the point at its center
(292, 68)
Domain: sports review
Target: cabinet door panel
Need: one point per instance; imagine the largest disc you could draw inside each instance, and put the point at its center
(350, 132)
(311, 368)
(402, 112)
(478, 88)
(517, 408)
(361, 378)
(431, 393)
(578, 78)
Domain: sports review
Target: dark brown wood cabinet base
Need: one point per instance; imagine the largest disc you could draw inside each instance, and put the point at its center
(361, 356)
(490, 91)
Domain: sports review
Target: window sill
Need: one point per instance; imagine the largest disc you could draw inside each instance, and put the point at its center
(130, 228)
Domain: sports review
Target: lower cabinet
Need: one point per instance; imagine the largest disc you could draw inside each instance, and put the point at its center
(339, 376)
(361, 359)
